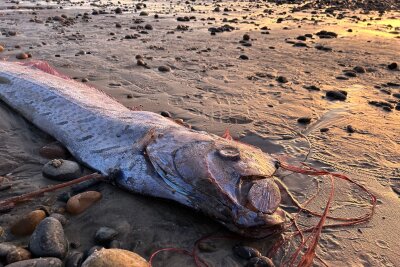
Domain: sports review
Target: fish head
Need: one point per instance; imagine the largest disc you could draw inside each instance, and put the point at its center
(230, 181)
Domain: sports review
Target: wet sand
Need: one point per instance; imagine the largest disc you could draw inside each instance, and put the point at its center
(211, 88)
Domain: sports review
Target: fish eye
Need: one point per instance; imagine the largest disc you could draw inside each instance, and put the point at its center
(229, 152)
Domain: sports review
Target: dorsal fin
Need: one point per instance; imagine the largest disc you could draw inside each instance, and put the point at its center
(45, 67)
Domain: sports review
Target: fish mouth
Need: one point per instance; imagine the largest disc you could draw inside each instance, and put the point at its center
(259, 215)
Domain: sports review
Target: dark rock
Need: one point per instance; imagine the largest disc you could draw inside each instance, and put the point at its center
(40, 262)
(326, 35)
(22, 56)
(393, 66)
(336, 95)
(260, 262)
(115, 244)
(74, 259)
(301, 38)
(148, 27)
(243, 57)
(282, 79)
(164, 69)
(350, 129)
(105, 235)
(312, 88)
(304, 120)
(61, 218)
(143, 13)
(350, 74)
(48, 239)
(359, 69)
(118, 10)
(246, 37)
(323, 48)
(166, 114)
(324, 130)
(397, 95)
(61, 170)
(245, 252)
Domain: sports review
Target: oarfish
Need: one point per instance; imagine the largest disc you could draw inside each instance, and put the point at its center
(147, 153)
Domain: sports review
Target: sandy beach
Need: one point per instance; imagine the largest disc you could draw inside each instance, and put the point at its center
(270, 73)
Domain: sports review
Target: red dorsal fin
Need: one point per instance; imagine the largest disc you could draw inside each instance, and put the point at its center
(227, 135)
(45, 67)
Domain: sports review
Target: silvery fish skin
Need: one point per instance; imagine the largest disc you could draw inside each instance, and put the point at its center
(148, 154)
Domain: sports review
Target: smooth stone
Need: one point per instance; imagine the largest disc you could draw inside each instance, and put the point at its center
(61, 218)
(304, 120)
(336, 95)
(27, 224)
(40, 262)
(260, 261)
(80, 202)
(164, 69)
(61, 170)
(48, 239)
(246, 252)
(1, 48)
(18, 254)
(74, 259)
(22, 56)
(105, 235)
(115, 257)
(53, 151)
(5, 248)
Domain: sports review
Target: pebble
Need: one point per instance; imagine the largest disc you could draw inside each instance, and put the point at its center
(1, 48)
(5, 248)
(81, 202)
(27, 224)
(350, 129)
(61, 218)
(282, 79)
(243, 57)
(164, 69)
(246, 37)
(324, 130)
(48, 239)
(18, 254)
(22, 56)
(105, 235)
(393, 66)
(40, 262)
(260, 261)
(54, 151)
(312, 88)
(359, 69)
(336, 95)
(245, 252)
(115, 257)
(62, 170)
(74, 259)
(166, 114)
(304, 120)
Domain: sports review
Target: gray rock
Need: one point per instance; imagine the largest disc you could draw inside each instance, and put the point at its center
(74, 259)
(105, 235)
(5, 248)
(61, 218)
(41, 262)
(48, 239)
(61, 170)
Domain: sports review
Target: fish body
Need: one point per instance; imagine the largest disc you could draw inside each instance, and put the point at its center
(150, 154)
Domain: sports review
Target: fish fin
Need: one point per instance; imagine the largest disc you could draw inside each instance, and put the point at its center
(45, 67)
(227, 135)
